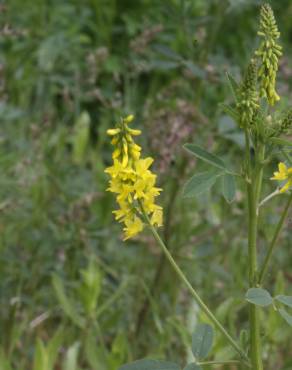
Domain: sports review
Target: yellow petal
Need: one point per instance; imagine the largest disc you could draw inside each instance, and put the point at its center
(282, 174)
(285, 187)
(282, 167)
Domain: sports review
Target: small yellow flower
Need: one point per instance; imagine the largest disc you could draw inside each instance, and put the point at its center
(113, 131)
(134, 132)
(132, 181)
(284, 173)
(133, 227)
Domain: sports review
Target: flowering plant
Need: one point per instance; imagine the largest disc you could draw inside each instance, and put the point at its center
(134, 184)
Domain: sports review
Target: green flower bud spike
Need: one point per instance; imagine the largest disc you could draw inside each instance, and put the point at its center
(248, 102)
(268, 54)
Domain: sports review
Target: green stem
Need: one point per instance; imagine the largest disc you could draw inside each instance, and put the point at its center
(253, 193)
(259, 169)
(252, 233)
(195, 295)
(247, 154)
(274, 240)
(270, 196)
(255, 347)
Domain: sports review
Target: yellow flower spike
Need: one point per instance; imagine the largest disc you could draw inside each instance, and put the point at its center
(132, 181)
(284, 173)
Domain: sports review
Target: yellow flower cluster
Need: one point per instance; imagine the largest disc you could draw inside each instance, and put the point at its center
(284, 173)
(269, 52)
(132, 181)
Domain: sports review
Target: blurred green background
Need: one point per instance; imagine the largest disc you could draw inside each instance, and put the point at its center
(73, 295)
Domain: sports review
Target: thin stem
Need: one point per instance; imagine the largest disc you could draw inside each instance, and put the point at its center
(267, 198)
(195, 295)
(259, 170)
(274, 240)
(162, 260)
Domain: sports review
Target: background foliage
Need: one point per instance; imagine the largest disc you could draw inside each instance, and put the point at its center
(73, 295)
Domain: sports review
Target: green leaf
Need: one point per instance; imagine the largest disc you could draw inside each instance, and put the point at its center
(200, 183)
(54, 346)
(150, 365)
(193, 366)
(259, 297)
(90, 287)
(65, 303)
(280, 141)
(70, 361)
(41, 360)
(233, 85)
(228, 187)
(202, 340)
(286, 316)
(205, 156)
(285, 299)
